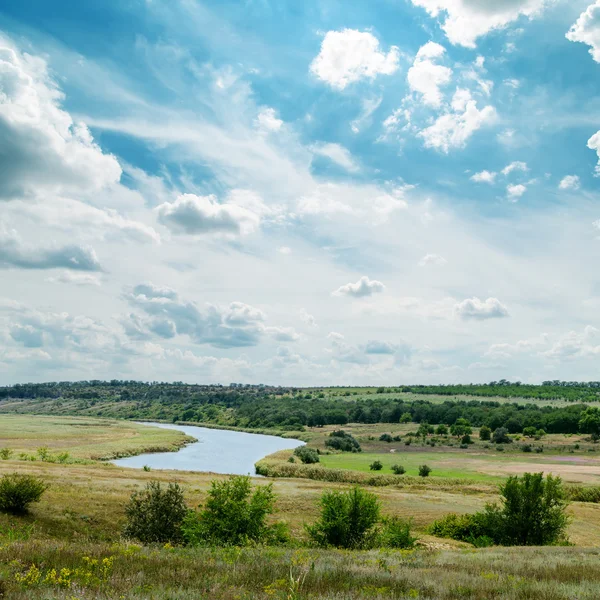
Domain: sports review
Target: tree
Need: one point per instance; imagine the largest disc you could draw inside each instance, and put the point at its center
(155, 514)
(501, 436)
(441, 430)
(398, 469)
(307, 455)
(461, 427)
(424, 471)
(529, 432)
(18, 491)
(406, 418)
(347, 520)
(340, 440)
(234, 515)
(532, 511)
(590, 422)
(376, 465)
(485, 433)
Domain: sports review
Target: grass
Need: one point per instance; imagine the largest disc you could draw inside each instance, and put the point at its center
(85, 438)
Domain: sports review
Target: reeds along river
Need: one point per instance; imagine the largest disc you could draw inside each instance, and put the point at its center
(216, 451)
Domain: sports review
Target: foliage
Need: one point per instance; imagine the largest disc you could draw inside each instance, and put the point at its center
(386, 437)
(466, 439)
(529, 432)
(396, 533)
(501, 436)
(399, 469)
(461, 427)
(376, 465)
(485, 433)
(347, 520)
(6, 453)
(590, 422)
(424, 471)
(18, 491)
(155, 514)
(234, 515)
(441, 430)
(340, 440)
(307, 455)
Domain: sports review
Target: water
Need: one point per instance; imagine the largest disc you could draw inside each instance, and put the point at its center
(216, 451)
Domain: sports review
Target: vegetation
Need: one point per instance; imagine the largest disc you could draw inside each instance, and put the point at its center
(398, 469)
(307, 455)
(345, 442)
(532, 513)
(348, 520)
(376, 465)
(155, 515)
(234, 515)
(424, 471)
(18, 491)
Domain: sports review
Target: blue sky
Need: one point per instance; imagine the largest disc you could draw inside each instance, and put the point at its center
(297, 193)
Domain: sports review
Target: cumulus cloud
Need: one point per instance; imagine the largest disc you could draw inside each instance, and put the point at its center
(336, 153)
(15, 254)
(349, 55)
(484, 177)
(307, 318)
(474, 308)
(433, 260)
(201, 215)
(514, 192)
(594, 144)
(587, 29)
(43, 150)
(464, 21)
(166, 315)
(377, 347)
(362, 288)
(517, 165)
(453, 129)
(570, 182)
(80, 279)
(267, 120)
(426, 77)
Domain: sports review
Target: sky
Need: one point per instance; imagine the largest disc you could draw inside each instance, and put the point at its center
(377, 192)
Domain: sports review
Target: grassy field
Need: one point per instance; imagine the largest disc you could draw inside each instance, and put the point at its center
(82, 515)
(84, 438)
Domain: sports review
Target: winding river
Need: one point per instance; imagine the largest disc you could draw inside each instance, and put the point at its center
(216, 451)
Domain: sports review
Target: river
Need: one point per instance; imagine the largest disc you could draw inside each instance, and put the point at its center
(216, 451)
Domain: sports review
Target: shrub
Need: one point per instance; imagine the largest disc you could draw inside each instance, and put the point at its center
(485, 433)
(18, 491)
(539, 449)
(529, 432)
(461, 427)
(407, 442)
(441, 430)
(234, 515)
(540, 432)
(348, 520)
(396, 533)
(466, 439)
(406, 418)
(424, 471)
(464, 446)
(397, 438)
(526, 448)
(398, 469)
(291, 459)
(386, 437)
(307, 455)
(155, 514)
(6, 453)
(501, 436)
(376, 465)
(340, 440)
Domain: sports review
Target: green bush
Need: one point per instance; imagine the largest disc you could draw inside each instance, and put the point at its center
(235, 514)
(398, 469)
(18, 491)
(376, 465)
(397, 438)
(155, 515)
(466, 439)
(531, 513)
(6, 454)
(348, 520)
(526, 448)
(424, 471)
(340, 440)
(529, 432)
(308, 456)
(583, 494)
(485, 433)
(396, 533)
(386, 437)
(441, 430)
(501, 436)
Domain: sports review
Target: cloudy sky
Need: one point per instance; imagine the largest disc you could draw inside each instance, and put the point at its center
(304, 193)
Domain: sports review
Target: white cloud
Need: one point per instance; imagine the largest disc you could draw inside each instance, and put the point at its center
(284, 250)
(15, 254)
(433, 260)
(453, 129)
(267, 120)
(426, 77)
(587, 29)
(575, 345)
(307, 318)
(570, 182)
(362, 288)
(474, 308)
(350, 55)
(43, 150)
(594, 144)
(515, 166)
(198, 215)
(336, 153)
(514, 192)
(484, 177)
(75, 279)
(467, 20)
